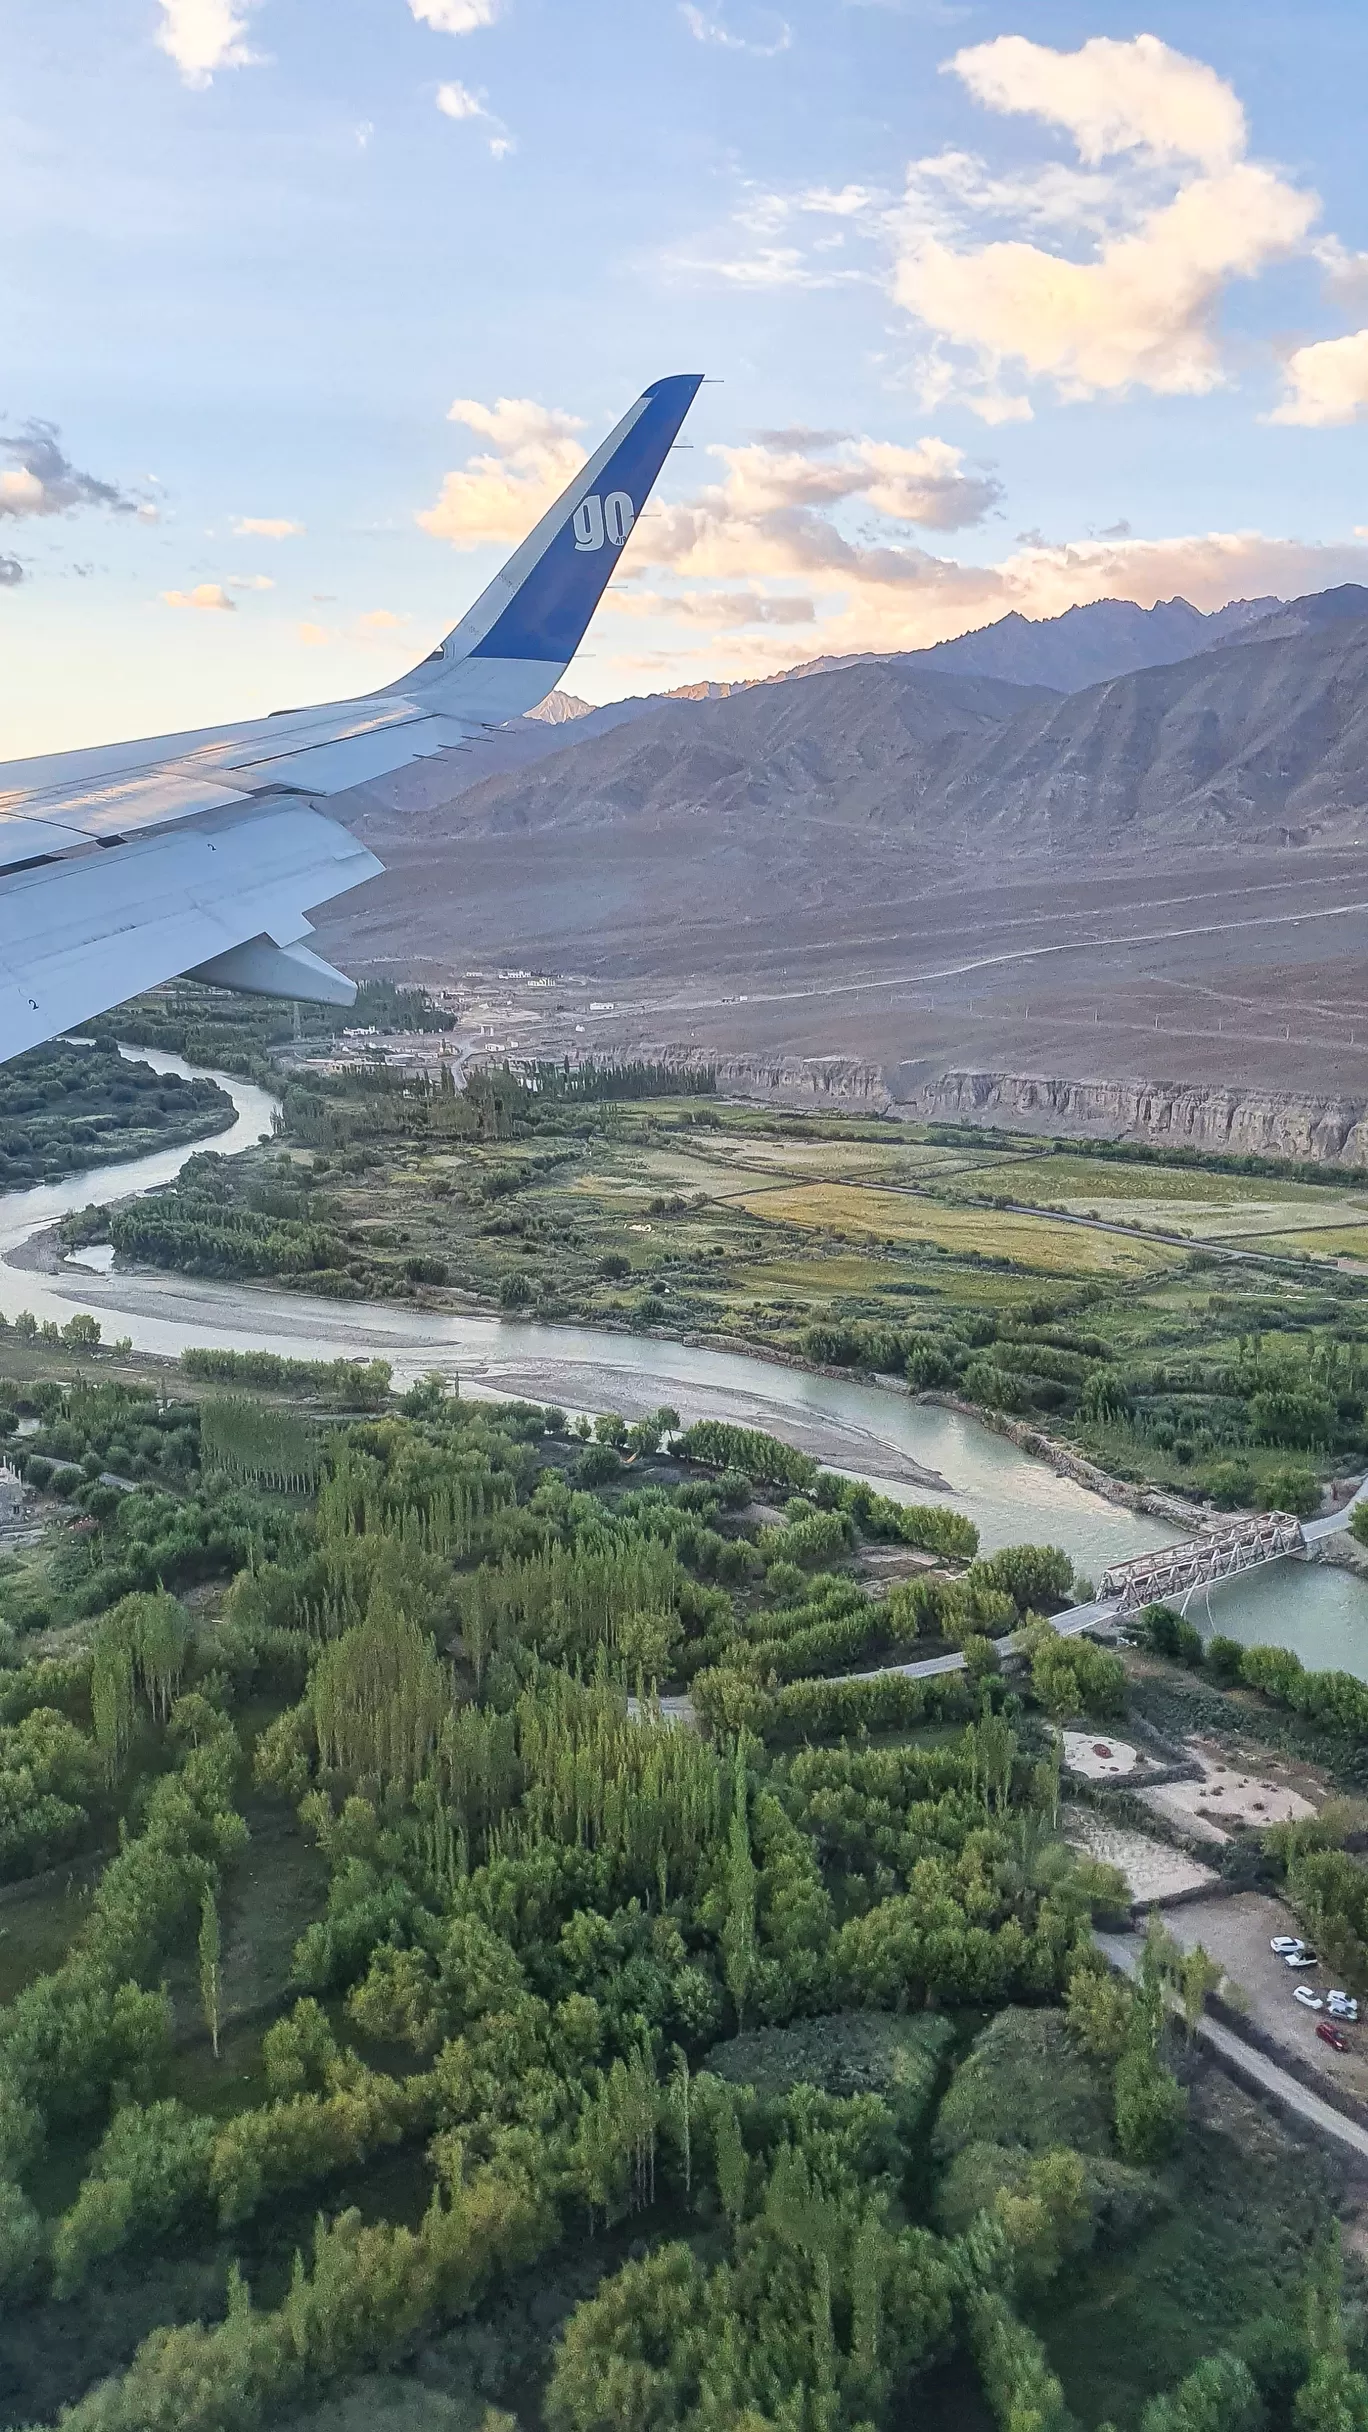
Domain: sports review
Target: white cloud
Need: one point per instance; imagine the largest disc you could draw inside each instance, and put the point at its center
(1328, 383)
(772, 35)
(1139, 314)
(926, 484)
(266, 527)
(729, 608)
(776, 250)
(770, 548)
(1177, 213)
(380, 620)
(900, 597)
(204, 595)
(205, 35)
(315, 637)
(499, 496)
(457, 101)
(515, 424)
(1111, 97)
(456, 16)
(767, 266)
(1346, 273)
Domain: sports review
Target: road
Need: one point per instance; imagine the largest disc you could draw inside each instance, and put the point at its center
(1080, 1617)
(1254, 2068)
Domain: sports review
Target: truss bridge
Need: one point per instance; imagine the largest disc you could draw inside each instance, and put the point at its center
(1176, 1570)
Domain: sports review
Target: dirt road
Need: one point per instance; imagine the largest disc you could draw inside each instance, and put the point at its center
(1252, 2067)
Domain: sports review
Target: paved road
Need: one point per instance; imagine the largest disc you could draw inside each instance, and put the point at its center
(1255, 2068)
(1080, 1617)
(1314, 1530)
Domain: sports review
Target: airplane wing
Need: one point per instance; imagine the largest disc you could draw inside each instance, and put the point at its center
(200, 853)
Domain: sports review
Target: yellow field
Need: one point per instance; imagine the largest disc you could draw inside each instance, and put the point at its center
(1352, 1242)
(837, 1159)
(1248, 1222)
(1030, 1241)
(1089, 1181)
(820, 1280)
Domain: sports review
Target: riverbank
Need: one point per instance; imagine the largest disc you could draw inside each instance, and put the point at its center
(1014, 1480)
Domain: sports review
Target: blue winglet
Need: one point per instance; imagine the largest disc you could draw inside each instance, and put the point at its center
(547, 614)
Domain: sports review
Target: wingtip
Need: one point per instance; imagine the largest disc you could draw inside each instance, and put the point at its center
(693, 381)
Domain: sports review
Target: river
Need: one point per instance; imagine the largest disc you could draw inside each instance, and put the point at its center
(917, 1451)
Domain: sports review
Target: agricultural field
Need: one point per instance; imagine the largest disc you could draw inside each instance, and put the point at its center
(1198, 1326)
(401, 2027)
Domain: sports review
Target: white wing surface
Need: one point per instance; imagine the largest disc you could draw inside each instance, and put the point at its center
(202, 852)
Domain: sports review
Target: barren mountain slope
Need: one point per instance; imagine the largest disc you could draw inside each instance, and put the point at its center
(1090, 644)
(1257, 742)
(868, 742)
(1249, 743)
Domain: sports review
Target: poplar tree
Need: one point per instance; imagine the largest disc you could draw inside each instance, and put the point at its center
(738, 1932)
(210, 1976)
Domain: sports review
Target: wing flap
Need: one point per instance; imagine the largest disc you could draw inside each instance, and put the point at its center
(82, 935)
(81, 929)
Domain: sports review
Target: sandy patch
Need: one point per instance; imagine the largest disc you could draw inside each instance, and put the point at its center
(1152, 1870)
(1097, 1759)
(1227, 1793)
(1197, 1827)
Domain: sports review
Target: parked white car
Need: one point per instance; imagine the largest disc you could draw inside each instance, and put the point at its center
(1302, 1958)
(1308, 1999)
(1342, 2005)
(1286, 1944)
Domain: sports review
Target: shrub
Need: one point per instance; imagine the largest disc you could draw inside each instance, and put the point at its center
(1230, 1484)
(1104, 1399)
(426, 1270)
(1070, 1676)
(809, 1540)
(1300, 1421)
(719, 1446)
(596, 1465)
(1168, 1633)
(1024, 2083)
(830, 1346)
(1296, 1491)
(1038, 1578)
(1224, 1659)
(926, 1367)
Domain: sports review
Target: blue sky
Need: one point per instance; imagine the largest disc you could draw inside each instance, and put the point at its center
(1008, 308)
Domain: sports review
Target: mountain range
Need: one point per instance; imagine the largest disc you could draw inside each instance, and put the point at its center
(1259, 734)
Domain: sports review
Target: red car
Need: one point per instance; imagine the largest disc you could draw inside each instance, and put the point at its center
(1330, 2034)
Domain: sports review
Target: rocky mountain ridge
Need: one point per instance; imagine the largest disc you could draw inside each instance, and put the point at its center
(1264, 740)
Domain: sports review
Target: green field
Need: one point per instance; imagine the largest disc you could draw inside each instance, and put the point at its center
(845, 1241)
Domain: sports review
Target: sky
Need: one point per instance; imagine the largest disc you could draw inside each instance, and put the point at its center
(308, 309)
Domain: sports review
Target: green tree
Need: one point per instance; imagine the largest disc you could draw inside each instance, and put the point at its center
(210, 1975)
(1219, 2395)
(1334, 2398)
(1151, 2106)
(1198, 1976)
(738, 1931)
(1098, 2006)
